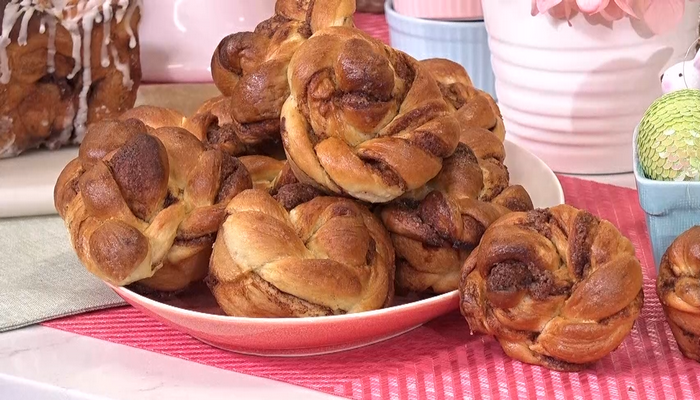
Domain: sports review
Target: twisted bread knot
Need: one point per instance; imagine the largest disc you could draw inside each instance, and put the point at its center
(474, 108)
(276, 178)
(678, 288)
(326, 256)
(145, 207)
(212, 124)
(435, 228)
(557, 287)
(362, 119)
(251, 67)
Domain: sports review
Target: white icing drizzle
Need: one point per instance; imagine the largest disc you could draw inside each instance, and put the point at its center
(129, 31)
(51, 58)
(121, 10)
(81, 117)
(8, 21)
(123, 68)
(22, 38)
(74, 30)
(106, 25)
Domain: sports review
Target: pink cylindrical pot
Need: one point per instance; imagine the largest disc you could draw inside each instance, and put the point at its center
(574, 94)
(178, 37)
(440, 9)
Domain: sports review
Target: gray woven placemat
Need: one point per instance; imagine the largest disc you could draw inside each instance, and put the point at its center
(40, 275)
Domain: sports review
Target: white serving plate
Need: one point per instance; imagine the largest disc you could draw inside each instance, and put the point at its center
(199, 316)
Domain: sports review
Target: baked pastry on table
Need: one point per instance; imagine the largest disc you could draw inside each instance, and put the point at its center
(364, 120)
(251, 67)
(556, 287)
(678, 288)
(64, 65)
(435, 228)
(211, 124)
(144, 206)
(311, 257)
(474, 108)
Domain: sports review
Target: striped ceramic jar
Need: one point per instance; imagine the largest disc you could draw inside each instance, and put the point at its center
(573, 94)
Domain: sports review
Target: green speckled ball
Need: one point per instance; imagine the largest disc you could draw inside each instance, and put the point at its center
(668, 143)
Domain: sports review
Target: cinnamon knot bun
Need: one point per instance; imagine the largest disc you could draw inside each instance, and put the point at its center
(556, 287)
(678, 288)
(251, 67)
(364, 120)
(474, 108)
(145, 206)
(211, 124)
(323, 256)
(435, 228)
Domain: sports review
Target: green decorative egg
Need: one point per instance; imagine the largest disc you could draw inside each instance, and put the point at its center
(668, 142)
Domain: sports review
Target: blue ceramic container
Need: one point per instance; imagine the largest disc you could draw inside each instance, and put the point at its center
(464, 42)
(671, 208)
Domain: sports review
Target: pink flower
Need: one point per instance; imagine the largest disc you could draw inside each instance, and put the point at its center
(662, 16)
(659, 15)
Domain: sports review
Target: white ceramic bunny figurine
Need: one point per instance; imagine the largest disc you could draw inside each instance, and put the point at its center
(684, 75)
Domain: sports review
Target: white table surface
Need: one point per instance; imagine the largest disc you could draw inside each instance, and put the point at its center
(46, 364)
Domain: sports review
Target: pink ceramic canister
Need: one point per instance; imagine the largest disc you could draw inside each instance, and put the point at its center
(573, 92)
(178, 37)
(464, 10)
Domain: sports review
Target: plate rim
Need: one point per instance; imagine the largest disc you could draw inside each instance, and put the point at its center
(328, 319)
(285, 320)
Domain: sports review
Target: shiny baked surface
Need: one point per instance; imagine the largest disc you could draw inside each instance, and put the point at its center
(556, 287)
(678, 288)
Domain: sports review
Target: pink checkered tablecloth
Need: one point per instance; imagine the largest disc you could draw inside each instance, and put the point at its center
(441, 359)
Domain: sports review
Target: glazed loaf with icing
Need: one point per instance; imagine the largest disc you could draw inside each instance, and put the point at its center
(64, 64)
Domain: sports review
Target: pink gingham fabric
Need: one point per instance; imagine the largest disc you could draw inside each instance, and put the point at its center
(441, 360)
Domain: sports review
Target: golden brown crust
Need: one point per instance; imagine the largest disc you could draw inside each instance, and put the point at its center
(213, 125)
(326, 256)
(143, 204)
(678, 288)
(251, 67)
(362, 119)
(473, 108)
(40, 108)
(557, 287)
(436, 227)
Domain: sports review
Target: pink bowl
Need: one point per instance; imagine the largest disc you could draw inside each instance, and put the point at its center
(197, 313)
(178, 37)
(440, 9)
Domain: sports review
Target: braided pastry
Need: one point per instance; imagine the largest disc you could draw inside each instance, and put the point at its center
(58, 74)
(362, 119)
(474, 107)
(678, 288)
(557, 287)
(146, 207)
(251, 67)
(435, 228)
(211, 124)
(324, 256)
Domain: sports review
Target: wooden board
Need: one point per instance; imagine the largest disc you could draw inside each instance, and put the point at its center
(27, 181)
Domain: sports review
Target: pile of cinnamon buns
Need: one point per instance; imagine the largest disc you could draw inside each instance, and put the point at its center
(333, 174)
